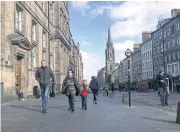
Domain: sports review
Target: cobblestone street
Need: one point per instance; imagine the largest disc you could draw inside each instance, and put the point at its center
(152, 99)
(109, 115)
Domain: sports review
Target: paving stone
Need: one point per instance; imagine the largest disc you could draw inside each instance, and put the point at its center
(108, 115)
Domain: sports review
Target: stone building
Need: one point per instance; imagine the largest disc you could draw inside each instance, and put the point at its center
(147, 63)
(125, 69)
(121, 73)
(101, 77)
(168, 31)
(172, 49)
(110, 58)
(136, 64)
(30, 32)
(116, 74)
(77, 62)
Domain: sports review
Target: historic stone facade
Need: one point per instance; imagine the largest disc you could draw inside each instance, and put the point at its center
(147, 63)
(116, 74)
(125, 69)
(168, 31)
(110, 58)
(32, 31)
(136, 64)
(77, 62)
(121, 72)
(101, 77)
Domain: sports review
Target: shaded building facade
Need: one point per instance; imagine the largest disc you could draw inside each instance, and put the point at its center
(31, 32)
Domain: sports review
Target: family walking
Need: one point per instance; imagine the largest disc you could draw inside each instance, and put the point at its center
(70, 87)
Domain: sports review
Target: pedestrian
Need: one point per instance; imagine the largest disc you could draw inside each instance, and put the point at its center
(70, 87)
(94, 86)
(161, 81)
(44, 75)
(84, 93)
(112, 88)
(106, 89)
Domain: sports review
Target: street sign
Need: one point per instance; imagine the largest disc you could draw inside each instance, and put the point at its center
(128, 52)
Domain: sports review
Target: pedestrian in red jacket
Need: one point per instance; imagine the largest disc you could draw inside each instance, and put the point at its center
(84, 93)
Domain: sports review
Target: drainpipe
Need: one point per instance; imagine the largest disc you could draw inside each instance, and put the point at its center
(49, 63)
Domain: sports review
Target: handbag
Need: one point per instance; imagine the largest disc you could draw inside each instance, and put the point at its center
(52, 93)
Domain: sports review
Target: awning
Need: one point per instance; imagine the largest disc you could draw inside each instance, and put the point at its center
(20, 40)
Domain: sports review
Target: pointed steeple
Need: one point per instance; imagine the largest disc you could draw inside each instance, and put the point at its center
(109, 41)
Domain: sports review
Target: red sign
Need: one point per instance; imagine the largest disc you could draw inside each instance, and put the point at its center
(128, 52)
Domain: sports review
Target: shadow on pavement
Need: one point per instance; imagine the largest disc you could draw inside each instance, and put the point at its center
(55, 107)
(24, 107)
(159, 120)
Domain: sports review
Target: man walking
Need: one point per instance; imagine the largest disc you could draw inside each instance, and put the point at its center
(44, 75)
(94, 86)
(161, 81)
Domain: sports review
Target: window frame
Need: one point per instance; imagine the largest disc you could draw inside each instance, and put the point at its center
(34, 56)
(44, 39)
(18, 18)
(34, 31)
(178, 26)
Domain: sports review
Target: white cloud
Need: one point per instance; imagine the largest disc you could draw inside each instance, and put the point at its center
(120, 49)
(100, 10)
(81, 6)
(87, 43)
(131, 18)
(139, 16)
(91, 63)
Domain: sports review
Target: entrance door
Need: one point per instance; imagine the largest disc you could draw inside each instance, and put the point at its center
(18, 73)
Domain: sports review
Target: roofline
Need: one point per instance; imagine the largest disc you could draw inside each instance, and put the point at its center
(166, 23)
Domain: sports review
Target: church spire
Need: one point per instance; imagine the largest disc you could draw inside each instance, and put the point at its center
(109, 41)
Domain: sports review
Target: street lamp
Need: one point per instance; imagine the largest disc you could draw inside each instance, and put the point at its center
(128, 53)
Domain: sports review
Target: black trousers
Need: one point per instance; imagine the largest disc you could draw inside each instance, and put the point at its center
(71, 100)
(94, 91)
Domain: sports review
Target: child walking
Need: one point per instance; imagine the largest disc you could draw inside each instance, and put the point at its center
(84, 93)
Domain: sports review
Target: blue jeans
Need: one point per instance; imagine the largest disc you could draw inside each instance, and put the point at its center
(84, 102)
(44, 94)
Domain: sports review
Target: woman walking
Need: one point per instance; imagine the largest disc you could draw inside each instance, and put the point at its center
(70, 87)
(84, 93)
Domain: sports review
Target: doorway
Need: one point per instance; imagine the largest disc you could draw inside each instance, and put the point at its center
(18, 73)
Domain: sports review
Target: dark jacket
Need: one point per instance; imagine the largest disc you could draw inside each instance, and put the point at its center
(94, 84)
(160, 77)
(76, 85)
(44, 75)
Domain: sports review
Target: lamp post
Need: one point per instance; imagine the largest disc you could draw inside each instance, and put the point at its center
(128, 53)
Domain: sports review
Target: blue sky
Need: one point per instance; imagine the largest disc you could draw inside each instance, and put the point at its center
(86, 29)
(89, 23)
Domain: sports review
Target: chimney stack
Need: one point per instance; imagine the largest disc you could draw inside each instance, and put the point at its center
(145, 36)
(175, 12)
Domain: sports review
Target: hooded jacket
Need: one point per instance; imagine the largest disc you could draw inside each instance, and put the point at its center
(94, 83)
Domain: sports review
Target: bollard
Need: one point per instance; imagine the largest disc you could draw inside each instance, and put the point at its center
(125, 99)
(178, 114)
